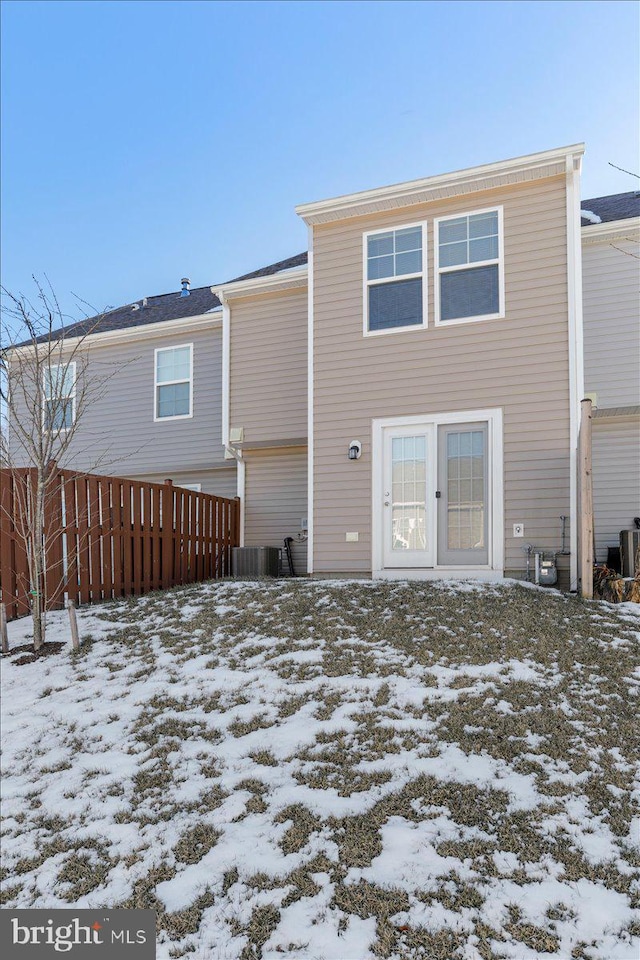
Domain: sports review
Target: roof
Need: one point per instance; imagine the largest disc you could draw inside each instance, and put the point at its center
(166, 306)
(618, 206)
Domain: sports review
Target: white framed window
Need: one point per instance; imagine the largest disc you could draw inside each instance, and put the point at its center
(395, 279)
(469, 267)
(59, 396)
(196, 487)
(173, 387)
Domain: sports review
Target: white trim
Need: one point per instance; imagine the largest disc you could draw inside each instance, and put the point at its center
(226, 370)
(147, 331)
(576, 349)
(285, 280)
(440, 573)
(310, 405)
(612, 230)
(366, 283)
(494, 570)
(168, 383)
(533, 166)
(196, 487)
(438, 270)
(241, 487)
(70, 365)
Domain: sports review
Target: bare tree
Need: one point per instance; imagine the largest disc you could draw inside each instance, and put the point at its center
(46, 388)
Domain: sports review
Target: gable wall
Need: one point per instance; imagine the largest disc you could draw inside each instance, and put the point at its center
(519, 363)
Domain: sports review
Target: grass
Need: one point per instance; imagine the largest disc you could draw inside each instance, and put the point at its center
(304, 723)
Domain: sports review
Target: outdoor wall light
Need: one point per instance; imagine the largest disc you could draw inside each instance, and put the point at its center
(355, 450)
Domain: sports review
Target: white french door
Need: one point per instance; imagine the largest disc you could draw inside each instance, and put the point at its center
(438, 492)
(408, 490)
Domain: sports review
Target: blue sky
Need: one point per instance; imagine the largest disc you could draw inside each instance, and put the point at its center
(146, 141)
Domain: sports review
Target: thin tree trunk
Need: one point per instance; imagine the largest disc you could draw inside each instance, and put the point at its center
(39, 625)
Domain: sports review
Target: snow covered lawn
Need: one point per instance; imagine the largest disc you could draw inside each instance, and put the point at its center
(335, 770)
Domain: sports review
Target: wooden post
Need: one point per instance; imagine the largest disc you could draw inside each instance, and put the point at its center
(167, 535)
(585, 513)
(73, 620)
(235, 542)
(4, 633)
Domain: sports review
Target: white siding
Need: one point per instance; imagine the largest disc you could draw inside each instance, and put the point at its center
(616, 480)
(611, 286)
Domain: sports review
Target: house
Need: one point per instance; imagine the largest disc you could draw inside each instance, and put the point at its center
(403, 400)
(444, 356)
(159, 412)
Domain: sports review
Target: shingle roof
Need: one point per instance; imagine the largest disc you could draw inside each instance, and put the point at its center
(618, 206)
(166, 306)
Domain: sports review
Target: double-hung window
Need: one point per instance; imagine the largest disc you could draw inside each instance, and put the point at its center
(59, 396)
(469, 267)
(174, 382)
(395, 279)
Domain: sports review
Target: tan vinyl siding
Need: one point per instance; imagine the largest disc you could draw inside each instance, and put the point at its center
(118, 435)
(276, 500)
(220, 483)
(611, 285)
(519, 363)
(616, 480)
(268, 352)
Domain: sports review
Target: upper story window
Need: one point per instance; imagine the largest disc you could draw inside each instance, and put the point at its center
(395, 279)
(469, 267)
(59, 396)
(174, 382)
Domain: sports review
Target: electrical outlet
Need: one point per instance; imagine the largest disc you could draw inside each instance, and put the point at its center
(352, 537)
(518, 529)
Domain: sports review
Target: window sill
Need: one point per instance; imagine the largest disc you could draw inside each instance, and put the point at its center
(182, 416)
(484, 316)
(387, 330)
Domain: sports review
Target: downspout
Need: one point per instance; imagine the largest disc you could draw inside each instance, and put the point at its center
(230, 453)
(236, 454)
(226, 364)
(310, 477)
(576, 349)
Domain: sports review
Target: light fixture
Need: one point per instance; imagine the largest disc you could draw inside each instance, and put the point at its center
(355, 450)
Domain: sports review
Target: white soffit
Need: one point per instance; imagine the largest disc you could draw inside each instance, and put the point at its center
(612, 230)
(289, 279)
(535, 166)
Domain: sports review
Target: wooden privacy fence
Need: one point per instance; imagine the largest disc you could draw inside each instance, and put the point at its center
(109, 537)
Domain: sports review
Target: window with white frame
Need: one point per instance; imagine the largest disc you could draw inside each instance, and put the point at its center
(59, 396)
(469, 267)
(395, 280)
(174, 382)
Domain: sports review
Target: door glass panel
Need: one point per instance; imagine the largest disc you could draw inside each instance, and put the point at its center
(408, 493)
(465, 490)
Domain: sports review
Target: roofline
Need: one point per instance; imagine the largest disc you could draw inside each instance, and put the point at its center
(128, 334)
(532, 166)
(611, 230)
(288, 279)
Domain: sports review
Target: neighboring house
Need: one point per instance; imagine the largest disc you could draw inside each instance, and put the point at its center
(611, 303)
(159, 413)
(404, 401)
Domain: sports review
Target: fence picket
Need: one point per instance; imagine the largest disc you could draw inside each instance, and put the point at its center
(71, 537)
